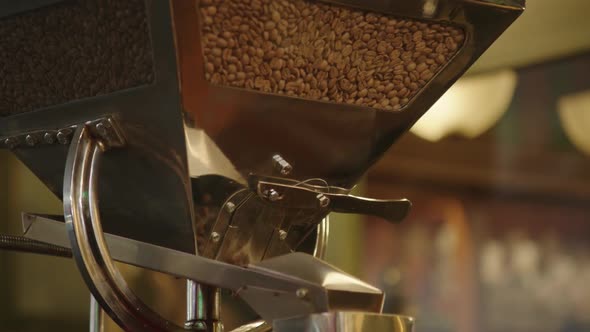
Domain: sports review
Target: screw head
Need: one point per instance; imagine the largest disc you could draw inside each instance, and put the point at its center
(31, 140)
(301, 293)
(231, 207)
(273, 195)
(323, 200)
(63, 137)
(215, 237)
(283, 235)
(49, 138)
(11, 142)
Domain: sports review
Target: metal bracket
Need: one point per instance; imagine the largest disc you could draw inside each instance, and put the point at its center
(293, 196)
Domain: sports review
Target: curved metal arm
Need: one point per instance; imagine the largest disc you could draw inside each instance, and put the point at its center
(88, 244)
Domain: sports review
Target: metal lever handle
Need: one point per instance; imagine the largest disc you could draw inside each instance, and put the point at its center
(297, 197)
(390, 210)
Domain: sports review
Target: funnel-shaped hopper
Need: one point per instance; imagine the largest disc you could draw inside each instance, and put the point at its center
(217, 88)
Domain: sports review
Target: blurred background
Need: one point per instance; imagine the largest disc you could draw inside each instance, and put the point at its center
(499, 176)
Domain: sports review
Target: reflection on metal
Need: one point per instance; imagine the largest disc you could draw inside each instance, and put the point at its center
(96, 318)
(195, 307)
(250, 175)
(303, 197)
(321, 243)
(203, 313)
(258, 326)
(281, 165)
(226, 131)
(269, 287)
(342, 141)
(88, 244)
(345, 322)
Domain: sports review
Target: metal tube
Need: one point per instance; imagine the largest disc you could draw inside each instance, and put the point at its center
(191, 298)
(196, 308)
(203, 307)
(214, 309)
(321, 243)
(95, 316)
(88, 242)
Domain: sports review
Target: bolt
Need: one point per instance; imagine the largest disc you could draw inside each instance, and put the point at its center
(231, 207)
(215, 237)
(31, 140)
(282, 165)
(49, 138)
(283, 235)
(323, 200)
(101, 128)
(11, 142)
(63, 137)
(301, 293)
(273, 195)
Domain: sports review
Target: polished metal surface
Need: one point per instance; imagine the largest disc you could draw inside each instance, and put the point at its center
(96, 318)
(293, 196)
(321, 242)
(341, 141)
(203, 308)
(299, 266)
(88, 244)
(247, 134)
(182, 127)
(345, 322)
(145, 190)
(194, 306)
(258, 326)
(241, 177)
(270, 287)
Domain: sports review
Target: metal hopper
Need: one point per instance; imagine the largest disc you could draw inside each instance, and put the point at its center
(228, 128)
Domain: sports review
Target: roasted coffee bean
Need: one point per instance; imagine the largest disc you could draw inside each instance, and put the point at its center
(74, 50)
(323, 52)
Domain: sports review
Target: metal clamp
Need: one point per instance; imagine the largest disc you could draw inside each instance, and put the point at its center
(87, 239)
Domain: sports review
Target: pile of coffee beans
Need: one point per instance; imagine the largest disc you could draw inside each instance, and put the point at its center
(73, 50)
(322, 52)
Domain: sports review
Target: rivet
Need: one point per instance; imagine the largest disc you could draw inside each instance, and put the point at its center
(231, 207)
(31, 140)
(283, 235)
(63, 137)
(215, 237)
(11, 142)
(301, 293)
(49, 138)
